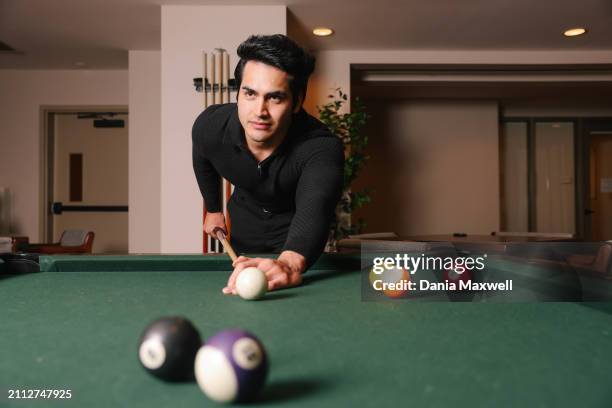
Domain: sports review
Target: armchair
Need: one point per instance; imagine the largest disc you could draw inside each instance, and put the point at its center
(71, 242)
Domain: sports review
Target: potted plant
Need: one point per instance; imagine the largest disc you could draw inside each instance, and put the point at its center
(348, 127)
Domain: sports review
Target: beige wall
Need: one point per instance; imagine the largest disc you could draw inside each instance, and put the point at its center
(333, 67)
(105, 180)
(434, 167)
(186, 32)
(144, 151)
(21, 97)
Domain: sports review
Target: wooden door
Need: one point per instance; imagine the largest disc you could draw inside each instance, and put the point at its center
(600, 172)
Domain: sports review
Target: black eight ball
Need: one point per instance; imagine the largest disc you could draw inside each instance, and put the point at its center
(168, 347)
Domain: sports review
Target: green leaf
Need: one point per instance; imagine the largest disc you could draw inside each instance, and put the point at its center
(349, 128)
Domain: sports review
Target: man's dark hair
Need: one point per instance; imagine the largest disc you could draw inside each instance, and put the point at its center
(278, 51)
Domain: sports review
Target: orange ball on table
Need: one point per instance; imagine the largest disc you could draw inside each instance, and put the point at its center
(397, 276)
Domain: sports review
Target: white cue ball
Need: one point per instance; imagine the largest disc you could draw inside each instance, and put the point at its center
(251, 284)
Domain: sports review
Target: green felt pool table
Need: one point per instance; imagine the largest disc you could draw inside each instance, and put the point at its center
(76, 325)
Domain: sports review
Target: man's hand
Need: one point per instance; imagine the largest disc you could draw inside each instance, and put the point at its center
(284, 272)
(214, 221)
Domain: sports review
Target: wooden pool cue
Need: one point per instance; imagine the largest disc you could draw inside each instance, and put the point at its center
(221, 237)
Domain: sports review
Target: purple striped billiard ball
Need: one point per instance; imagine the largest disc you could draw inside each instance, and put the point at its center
(231, 366)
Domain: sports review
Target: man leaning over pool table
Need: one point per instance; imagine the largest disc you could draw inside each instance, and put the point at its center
(285, 165)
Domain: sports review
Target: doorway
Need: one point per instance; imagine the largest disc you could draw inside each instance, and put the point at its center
(537, 178)
(86, 175)
(556, 176)
(598, 214)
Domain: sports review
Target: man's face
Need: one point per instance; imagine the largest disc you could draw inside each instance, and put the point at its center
(265, 104)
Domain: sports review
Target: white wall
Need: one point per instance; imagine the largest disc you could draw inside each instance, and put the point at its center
(22, 94)
(186, 32)
(144, 151)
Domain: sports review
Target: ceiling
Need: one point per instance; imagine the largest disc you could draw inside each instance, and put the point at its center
(97, 34)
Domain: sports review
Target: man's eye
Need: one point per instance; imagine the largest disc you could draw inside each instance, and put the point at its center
(276, 99)
(249, 93)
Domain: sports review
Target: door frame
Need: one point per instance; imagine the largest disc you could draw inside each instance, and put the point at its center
(531, 160)
(583, 126)
(589, 125)
(47, 143)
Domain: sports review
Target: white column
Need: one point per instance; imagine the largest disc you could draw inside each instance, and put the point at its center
(145, 154)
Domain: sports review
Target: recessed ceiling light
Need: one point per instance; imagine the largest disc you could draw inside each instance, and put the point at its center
(322, 31)
(573, 32)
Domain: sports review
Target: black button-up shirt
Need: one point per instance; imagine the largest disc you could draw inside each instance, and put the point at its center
(285, 202)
